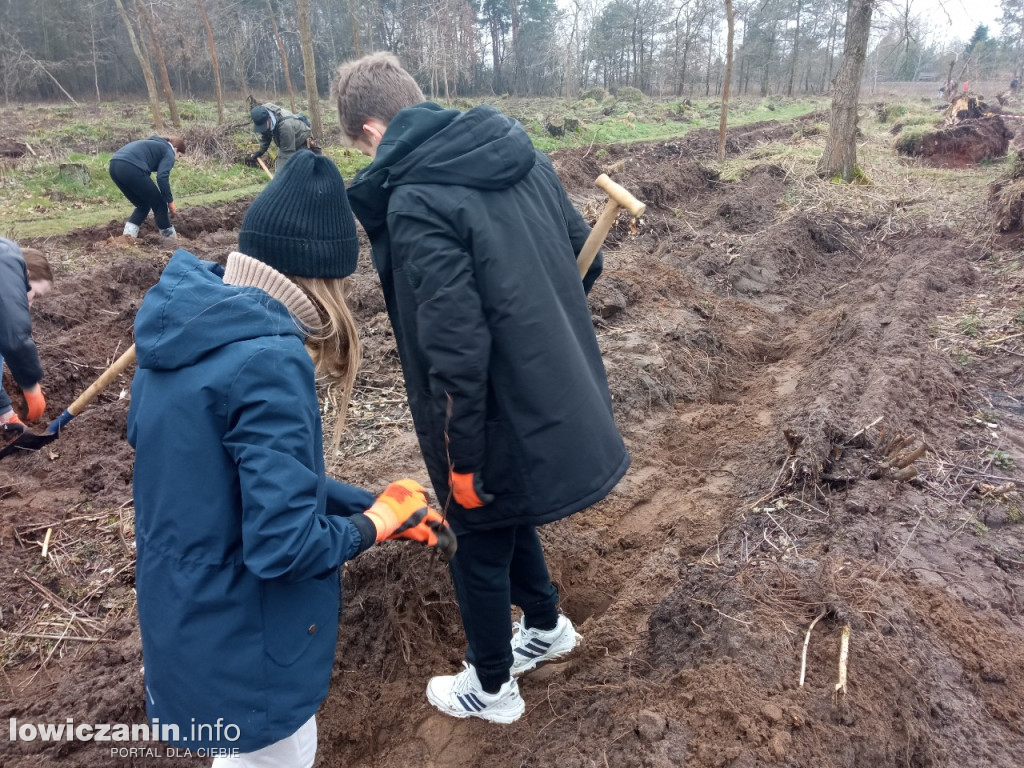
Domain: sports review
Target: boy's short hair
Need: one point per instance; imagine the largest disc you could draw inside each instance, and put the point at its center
(178, 143)
(38, 266)
(374, 86)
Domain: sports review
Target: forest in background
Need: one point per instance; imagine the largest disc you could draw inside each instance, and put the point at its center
(95, 49)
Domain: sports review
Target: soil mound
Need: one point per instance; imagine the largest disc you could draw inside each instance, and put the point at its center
(811, 459)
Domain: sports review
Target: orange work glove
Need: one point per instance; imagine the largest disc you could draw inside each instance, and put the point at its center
(401, 512)
(468, 490)
(35, 403)
(173, 208)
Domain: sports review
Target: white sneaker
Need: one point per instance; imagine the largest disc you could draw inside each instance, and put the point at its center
(531, 647)
(462, 695)
(132, 230)
(169, 233)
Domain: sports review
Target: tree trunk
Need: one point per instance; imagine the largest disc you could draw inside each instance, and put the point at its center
(158, 51)
(309, 68)
(731, 25)
(213, 60)
(284, 55)
(796, 49)
(568, 50)
(517, 54)
(95, 63)
(498, 81)
(707, 77)
(840, 155)
(147, 71)
(355, 28)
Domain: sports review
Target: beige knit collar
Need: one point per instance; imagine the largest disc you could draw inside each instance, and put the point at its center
(247, 271)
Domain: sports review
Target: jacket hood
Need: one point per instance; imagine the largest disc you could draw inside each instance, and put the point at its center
(191, 311)
(427, 144)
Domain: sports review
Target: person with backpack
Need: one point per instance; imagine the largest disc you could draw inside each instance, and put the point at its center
(276, 125)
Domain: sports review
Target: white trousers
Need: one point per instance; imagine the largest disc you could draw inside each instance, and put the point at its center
(295, 751)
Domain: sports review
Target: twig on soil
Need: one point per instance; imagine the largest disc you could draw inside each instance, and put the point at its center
(775, 485)
(41, 636)
(722, 613)
(788, 539)
(898, 555)
(844, 657)
(59, 602)
(807, 641)
(862, 430)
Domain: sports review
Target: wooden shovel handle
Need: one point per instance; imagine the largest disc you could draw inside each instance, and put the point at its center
(118, 367)
(264, 167)
(618, 197)
(621, 196)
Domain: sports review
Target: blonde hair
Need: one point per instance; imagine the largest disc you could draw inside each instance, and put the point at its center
(374, 86)
(335, 346)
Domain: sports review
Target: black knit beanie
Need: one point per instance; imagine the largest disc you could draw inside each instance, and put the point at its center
(301, 223)
(259, 117)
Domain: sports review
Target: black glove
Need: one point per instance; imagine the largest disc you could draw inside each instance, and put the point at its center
(250, 160)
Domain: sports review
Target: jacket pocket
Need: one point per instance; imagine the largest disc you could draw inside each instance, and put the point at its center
(294, 613)
(503, 475)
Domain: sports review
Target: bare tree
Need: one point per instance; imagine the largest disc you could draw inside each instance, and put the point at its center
(840, 155)
(284, 55)
(213, 60)
(147, 71)
(569, 46)
(309, 69)
(731, 25)
(161, 63)
(796, 49)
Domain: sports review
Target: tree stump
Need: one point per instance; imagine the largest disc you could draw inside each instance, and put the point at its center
(75, 172)
(12, 148)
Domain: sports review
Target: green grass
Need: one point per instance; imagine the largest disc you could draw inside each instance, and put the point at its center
(37, 200)
(651, 121)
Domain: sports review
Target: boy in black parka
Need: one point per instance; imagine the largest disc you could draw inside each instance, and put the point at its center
(475, 243)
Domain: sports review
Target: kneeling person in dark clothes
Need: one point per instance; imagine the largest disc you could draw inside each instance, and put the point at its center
(131, 168)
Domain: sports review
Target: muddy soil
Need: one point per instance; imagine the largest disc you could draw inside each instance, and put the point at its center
(969, 142)
(806, 451)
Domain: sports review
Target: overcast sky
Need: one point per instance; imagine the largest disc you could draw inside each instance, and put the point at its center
(966, 15)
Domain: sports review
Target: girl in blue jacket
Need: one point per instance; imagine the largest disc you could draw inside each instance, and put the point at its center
(239, 531)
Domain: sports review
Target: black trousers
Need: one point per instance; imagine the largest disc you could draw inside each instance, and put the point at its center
(491, 571)
(141, 191)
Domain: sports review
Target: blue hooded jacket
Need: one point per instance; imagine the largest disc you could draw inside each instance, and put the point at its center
(239, 532)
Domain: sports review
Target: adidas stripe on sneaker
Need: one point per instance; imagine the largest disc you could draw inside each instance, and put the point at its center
(462, 695)
(531, 647)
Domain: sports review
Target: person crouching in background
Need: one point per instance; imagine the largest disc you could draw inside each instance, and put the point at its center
(131, 168)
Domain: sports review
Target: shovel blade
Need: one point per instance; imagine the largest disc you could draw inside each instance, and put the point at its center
(28, 442)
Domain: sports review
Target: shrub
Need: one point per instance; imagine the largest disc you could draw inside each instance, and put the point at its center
(630, 94)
